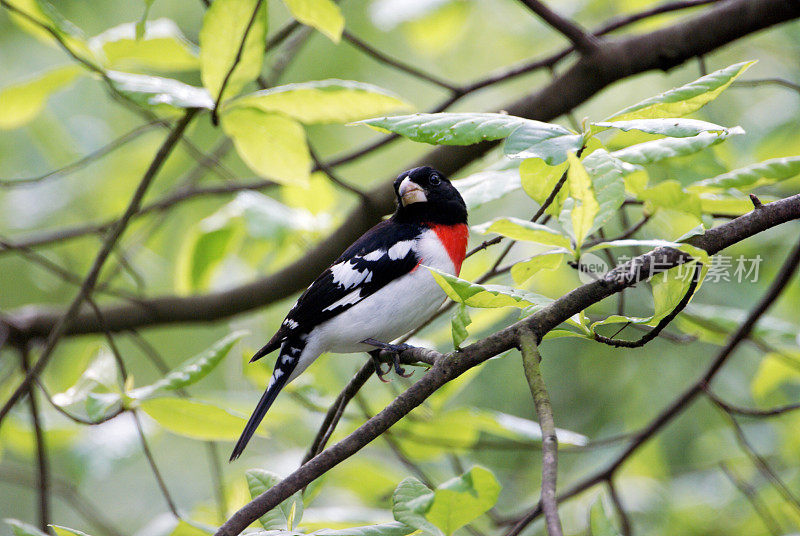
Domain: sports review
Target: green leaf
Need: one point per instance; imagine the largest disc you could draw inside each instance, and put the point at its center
(670, 194)
(20, 528)
(162, 47)
(518, 229)
(192, 370)
(97, 388)
(22, 102)
(288, 513)
(324, 15)
(463, 499)
(670, 126)
(539, 179)
(776, 372)
(185, 528)
(381, 529)
(686, 99)
(599, 523)
(458, 325)
(224, 26)
(201, 253)
(485, 296)
(155, 90)
(193, 419)
(526, 138)
(485, 186)
(272, 145)
(608, 183)
(752, 176)
(66, 531)
(657, 150)
(731, 205)
(580, 209)
(324, 101)
(410, 501)
(45, 16)
(524, 270)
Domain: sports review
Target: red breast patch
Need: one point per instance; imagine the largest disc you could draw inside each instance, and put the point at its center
(454, 239)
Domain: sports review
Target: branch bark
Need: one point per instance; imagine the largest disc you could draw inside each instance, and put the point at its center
(615, 60)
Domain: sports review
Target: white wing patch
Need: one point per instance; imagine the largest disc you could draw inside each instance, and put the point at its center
(353, 297)
(347, 276)
(289, 323)
(374, 255)
(400, 250)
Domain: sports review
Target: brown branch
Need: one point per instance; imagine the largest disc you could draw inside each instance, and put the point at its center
(531, 360)
(751, 494)
(60, 326)
(42, 461)
(151, 461)
(750, 412)
(626, 527)
(581, 39)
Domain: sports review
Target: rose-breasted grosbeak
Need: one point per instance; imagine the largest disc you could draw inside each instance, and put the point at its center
(376, 290)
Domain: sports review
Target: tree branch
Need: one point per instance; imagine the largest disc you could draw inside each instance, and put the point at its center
(531, 360)
(583, 40)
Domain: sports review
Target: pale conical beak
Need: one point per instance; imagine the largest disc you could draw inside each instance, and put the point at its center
(411, 192)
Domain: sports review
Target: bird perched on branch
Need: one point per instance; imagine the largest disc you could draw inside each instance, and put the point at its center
(376, 290)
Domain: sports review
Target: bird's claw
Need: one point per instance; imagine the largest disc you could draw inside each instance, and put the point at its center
(395, 350)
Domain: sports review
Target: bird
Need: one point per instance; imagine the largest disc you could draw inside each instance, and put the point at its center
(377, 290)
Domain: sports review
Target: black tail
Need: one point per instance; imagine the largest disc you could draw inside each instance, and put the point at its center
(287, 361)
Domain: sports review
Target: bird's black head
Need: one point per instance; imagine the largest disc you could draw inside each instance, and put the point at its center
(424, 195)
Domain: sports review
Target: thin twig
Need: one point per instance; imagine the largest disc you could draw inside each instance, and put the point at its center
(333, 176)
(582, 40)
(751, 494)
(148, 454)
(530, 362)
(42, 459)
(624, 520)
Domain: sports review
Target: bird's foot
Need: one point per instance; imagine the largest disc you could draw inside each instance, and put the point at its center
(395, 350)
(376, 360)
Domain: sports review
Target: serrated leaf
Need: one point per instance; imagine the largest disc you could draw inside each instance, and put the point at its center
(224, 26)
(599, 524)
(463, 499)
(582, 206)
(324, 15)
(526, 138)
(20, 528)
(458, 325)
(272, 145)
(324, 101)
(518, 229)
(752, 176)
(23, 101)
(485, 296)
(657, 150)
(155, 90)
(193, 419)
(686, 99)
(670, 126)
(539, 179)
(287, 514)
(192, 370)
(524, 270)
(162, 47)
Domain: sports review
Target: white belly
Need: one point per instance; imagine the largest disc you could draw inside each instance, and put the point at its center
(397, 308)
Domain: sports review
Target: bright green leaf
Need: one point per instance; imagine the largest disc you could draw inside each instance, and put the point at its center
(518, 229)
(657, 150)
(288, 513)
(539, 180)
(458, 325)
(752, 176)
(485, 186)
(774, 373)
(324, 101)
(324, 15)
(410, 501)
(224, 26)
(670, 195)
(272, 145)
(686, 99)
(65, 531)
(39, 15)
(526, 138)
(155, 90)
(524, 270)
(184, 528)
(193, 419)
(162, 47)
(485, 296)
(582, 205)
(382, 529)
(192, 370)
(201, 253)
(463, 499)
(23, 101)
(608, 183)
(670, 126)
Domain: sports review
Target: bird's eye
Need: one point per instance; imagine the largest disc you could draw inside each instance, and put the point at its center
(434, 180)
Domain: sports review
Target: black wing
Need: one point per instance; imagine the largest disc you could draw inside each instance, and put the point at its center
(380, 256)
